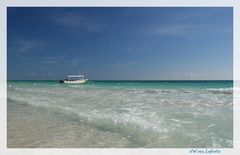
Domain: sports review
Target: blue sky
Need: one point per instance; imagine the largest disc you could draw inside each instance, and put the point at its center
(120, 43)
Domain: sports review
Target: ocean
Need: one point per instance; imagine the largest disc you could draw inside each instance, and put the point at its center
(120, 114)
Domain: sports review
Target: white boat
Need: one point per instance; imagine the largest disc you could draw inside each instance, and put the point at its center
(74, 79)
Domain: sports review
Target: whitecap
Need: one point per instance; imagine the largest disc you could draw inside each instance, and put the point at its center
(220, 90)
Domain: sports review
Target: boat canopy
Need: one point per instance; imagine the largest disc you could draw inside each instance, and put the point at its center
(75, 76)
(72, 77)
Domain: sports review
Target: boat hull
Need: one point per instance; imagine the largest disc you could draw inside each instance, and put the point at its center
(73, 82)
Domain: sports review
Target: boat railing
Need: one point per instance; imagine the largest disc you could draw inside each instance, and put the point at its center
(78, 77)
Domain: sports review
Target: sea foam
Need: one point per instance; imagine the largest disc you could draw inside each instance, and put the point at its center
(143, 117)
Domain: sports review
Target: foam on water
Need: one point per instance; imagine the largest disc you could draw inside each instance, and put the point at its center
(138, 117)
(221, 90)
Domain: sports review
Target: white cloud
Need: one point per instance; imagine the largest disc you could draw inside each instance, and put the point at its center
(187, 29)
(176, 30)
(191, 74)
(122, 64)
(25, 46)
(76, 21)
(53, 60)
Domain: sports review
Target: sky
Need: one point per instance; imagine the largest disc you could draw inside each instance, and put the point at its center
(124, 43)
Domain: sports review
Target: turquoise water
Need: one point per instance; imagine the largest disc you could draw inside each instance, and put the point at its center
(162, 114)
(198, 85)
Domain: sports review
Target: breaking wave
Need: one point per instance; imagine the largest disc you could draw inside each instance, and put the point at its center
(221, 90)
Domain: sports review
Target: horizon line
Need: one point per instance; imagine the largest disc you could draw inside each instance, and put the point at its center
(125, 80)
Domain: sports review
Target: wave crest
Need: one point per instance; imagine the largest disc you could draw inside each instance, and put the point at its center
(221, 90)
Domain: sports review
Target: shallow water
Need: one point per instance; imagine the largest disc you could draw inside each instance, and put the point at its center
(163, 114)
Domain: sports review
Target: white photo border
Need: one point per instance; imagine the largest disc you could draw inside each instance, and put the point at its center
(235, 4)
